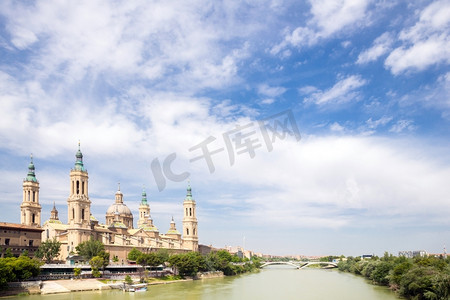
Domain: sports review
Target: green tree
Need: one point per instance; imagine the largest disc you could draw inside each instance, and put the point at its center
(105, 256)
(90, 248)
(77, 272)
(48, 250)
(188, 263)
(149, 259)
(6, 273)
(134, 254)
(96, 263)
(22, 268)
(128, 279)
(163, 255)
(8, 253)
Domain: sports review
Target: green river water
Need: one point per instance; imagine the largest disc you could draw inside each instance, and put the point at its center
(272, 283)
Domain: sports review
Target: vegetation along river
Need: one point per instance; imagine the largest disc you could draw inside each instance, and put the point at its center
(277, 282)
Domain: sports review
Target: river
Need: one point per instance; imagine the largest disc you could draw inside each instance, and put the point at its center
(276, 282)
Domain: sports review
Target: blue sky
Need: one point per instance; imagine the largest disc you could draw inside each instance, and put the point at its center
(366, 82)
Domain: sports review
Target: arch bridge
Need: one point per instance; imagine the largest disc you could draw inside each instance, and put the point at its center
(300, 264)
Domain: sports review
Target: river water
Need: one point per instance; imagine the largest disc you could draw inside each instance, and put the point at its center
(276, 282)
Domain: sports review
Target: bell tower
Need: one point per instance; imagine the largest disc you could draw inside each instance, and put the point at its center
(190, 234)
(79, 205)
(144, 211)
(30, 210)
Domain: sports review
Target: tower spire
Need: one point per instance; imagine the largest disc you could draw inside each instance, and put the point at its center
(144, 196)
(79, 160)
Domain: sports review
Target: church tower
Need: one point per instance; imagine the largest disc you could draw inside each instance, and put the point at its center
(79, 205)
(54, 213)
(30, 210)
(144, 211)
(190, 234)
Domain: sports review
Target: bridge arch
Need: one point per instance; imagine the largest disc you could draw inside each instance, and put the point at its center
(300, 264)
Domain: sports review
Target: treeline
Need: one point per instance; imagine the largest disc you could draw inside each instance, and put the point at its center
(188, 264)
(18, 268)
(416, 278)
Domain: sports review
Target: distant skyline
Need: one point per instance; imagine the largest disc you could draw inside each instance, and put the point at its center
(357, 91)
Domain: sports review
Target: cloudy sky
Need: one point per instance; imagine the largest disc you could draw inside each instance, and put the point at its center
(309, 128)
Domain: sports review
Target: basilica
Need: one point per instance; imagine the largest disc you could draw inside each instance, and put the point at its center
(118, 233)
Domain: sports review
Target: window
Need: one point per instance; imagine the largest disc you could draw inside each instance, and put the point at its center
(82, 214)
(82, 187)
(6, 242)
(194, 231)
(48, 233)
(30, 243)
(34, 196)
(186, 212)
(73, 213)
(187, 231)
(33, 219)
(190, 211)
(78, 187)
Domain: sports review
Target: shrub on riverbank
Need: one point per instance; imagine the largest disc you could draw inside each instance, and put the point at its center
(418, 278)
(18, 269)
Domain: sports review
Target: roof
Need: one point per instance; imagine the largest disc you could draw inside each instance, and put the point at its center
(19, 226)
(57, 226)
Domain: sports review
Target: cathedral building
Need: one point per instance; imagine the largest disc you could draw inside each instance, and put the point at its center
(118, 233)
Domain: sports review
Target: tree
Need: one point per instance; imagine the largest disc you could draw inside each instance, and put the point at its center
(163, 255)
(22, 268)
(90, 248)
(128, 279)
(8, 253)
(149, 259)
(105, 256)
(134, 254)
(96, 263)
(48, 250)
(76, 272)
(188, 263)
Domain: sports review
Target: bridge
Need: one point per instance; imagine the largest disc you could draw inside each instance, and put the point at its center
(300, 264)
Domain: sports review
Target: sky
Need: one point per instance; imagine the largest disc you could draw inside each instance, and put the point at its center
(303, 127)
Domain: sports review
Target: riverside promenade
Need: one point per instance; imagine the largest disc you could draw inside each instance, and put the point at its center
(76, 285)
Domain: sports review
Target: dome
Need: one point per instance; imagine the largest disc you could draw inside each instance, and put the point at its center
(121, 208)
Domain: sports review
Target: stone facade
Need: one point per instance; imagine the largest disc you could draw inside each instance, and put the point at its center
(19, 237)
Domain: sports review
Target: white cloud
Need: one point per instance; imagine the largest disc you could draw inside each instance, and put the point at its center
(336, 127)
(381, 46)
(424, 44)
(139, 39)
(328, 19)
(373, 124)
(344, 90)
(403, 125)
(271, 91)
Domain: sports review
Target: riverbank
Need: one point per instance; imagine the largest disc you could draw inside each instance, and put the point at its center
(82, 285)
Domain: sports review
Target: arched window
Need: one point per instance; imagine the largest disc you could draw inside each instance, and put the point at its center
(187, 231)
(82, 187)
(190, 211)
(33, 217)
(187, 212)
(82, 214)
(78, 187)
(194, 232)
(73, 213)
(34, 196)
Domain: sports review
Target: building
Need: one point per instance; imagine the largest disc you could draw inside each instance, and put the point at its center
(118, 233)
(411, 254)
(27, 234)
(19, 238)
